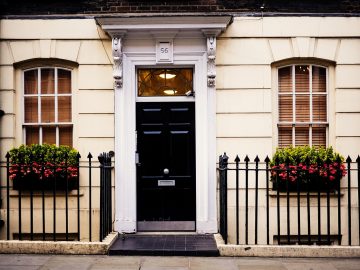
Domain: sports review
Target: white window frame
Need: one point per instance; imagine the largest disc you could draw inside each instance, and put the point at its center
(56, 95)
(293, 123)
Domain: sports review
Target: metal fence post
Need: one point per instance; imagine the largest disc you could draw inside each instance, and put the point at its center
(223, 163)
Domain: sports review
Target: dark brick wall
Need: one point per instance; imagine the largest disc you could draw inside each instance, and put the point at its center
(53, 7)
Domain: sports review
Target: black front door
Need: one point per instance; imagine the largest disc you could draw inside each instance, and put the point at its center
(165, 166)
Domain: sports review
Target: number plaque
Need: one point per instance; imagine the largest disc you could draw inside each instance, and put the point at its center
(164, 52)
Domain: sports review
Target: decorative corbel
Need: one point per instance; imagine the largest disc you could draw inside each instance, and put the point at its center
(118, 61)
(211, 67)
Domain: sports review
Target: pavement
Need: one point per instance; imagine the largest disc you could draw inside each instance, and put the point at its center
(79, 262)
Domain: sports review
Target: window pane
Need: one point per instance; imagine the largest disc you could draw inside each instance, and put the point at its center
(47, 109)
(285, 136)
(65, 136)
(49, 135)
(31, 109)
(164, 82)
(302, 108)
(318, 79)
(319, 135)
(285, 108)
(31, 82)
(47, 81)
(319, 108)
(302, 135)
(64, 109)
(64, 81)
(32, 135)
(302, 78)
(285, 79)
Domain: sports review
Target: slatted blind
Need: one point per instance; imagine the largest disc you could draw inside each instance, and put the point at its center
(47, 106)
(302, 102)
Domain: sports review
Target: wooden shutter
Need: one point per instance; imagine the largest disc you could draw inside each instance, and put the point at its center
(302, 78)
(64, 109)
(319, 135)
(319, 108)
(318, 79)
(285, 136)
(49, 135)
(64, 81)
(31, 109)
(65, 135)
(285, 79)
(302, 135)
(285, 108)
(31, 82)
(32, 135)
(47, 81)
(302, 108)
(47, 109)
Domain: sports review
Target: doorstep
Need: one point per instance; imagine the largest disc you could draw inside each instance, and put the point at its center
(165, 245)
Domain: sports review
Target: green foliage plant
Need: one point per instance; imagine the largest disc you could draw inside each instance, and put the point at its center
(43, 161)
(307, 165)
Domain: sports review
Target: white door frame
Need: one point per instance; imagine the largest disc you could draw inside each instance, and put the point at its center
(188, 29)
(125, 143)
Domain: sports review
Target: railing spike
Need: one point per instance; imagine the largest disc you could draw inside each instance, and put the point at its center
(267, 159)
(348, 160)
(7, 155)
(101, 158)
(89, 155)
(225, 158)
(237, 159)
(257, 159)
(247, 159)
(358, 159)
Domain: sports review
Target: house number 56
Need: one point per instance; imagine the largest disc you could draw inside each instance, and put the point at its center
(164, 52)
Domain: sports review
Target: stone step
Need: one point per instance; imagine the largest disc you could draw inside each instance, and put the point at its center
(165, 245)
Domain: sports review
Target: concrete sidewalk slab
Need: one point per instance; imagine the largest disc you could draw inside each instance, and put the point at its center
(92, 262)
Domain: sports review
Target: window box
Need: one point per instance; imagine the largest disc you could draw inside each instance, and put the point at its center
(307, 168)
(33, 182)
(311, 184)
(44, 167)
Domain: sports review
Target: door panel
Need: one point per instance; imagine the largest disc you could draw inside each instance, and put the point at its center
(166, 140)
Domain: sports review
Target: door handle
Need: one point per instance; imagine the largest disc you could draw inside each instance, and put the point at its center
(137, 159)
(166, 171)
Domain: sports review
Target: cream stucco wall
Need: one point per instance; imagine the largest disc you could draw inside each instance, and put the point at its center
(246, 82)
(246, 51)
(85, 43)
(247, 108)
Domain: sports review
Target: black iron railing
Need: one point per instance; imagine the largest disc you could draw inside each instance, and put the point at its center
(40, 211)
(280, 199)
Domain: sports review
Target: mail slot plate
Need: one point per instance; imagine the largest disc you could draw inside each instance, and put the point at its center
(166, 183)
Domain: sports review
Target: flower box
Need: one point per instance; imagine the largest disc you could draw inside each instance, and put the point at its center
(307, 168)
(312, 184)
(44, 167)
(32, 182)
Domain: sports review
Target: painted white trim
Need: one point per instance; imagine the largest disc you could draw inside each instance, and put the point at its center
(125, 142)
(142, 29)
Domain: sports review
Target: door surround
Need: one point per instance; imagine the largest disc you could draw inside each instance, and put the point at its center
(132, 48)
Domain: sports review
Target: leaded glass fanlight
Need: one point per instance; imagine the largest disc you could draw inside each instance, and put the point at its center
(154, 82)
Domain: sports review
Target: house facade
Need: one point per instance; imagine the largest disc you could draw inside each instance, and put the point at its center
(170, 92)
